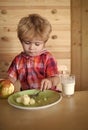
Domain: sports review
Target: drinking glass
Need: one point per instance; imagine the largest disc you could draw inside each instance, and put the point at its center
(68, 85)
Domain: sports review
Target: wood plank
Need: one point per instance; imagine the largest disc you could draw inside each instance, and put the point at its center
(61, 17)
(34, 3)
(76, 41)
(84, 68)
(55, 27)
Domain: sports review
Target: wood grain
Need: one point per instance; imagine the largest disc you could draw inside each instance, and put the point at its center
(56, 11)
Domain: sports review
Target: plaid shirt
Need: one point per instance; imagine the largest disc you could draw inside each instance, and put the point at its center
(30, 70)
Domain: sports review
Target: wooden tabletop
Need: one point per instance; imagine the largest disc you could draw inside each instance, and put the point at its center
(69, 114)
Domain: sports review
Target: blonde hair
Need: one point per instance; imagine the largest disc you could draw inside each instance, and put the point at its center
(34, 25)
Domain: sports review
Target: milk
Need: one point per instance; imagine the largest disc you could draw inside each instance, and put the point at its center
(68, 88)
(68, 85)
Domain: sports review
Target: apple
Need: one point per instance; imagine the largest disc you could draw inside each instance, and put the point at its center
(6, 88)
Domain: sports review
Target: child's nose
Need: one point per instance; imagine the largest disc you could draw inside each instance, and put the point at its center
(31, 46)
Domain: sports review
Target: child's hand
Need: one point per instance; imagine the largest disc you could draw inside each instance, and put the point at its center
(46, 84)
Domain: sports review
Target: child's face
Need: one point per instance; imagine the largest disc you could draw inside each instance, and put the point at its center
(33, 47)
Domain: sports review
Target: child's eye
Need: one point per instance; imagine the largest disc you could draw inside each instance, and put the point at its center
(37, 43)
(27, 42)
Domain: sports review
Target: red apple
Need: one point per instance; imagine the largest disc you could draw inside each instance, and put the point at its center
(6, 88)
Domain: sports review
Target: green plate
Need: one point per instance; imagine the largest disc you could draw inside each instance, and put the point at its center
(45, 99)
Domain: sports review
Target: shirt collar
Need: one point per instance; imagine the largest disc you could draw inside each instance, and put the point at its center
(27, 56)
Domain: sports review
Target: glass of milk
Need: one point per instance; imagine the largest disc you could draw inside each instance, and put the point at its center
(68, 85)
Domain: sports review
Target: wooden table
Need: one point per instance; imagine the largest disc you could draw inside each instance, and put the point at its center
(69, 114)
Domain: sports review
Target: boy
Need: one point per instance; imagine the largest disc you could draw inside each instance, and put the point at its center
(35, 67)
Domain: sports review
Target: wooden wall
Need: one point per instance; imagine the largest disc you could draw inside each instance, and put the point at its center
(79, 40)
(56, 11)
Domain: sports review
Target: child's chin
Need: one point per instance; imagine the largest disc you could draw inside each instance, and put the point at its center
(33, 54)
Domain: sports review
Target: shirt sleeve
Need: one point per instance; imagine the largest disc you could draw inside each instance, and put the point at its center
(12, 71)
(51, 67)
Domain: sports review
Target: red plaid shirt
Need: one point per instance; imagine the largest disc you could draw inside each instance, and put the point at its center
(30, 70)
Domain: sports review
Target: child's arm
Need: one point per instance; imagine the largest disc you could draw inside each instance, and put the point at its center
(11, 79)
